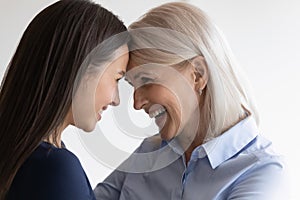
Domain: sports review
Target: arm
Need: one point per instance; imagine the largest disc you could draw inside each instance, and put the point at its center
(64, 178)
(110, 188)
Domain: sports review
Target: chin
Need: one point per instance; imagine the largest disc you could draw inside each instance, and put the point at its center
(169, 132)
(166, 135)
(87, 127)
(91, 128)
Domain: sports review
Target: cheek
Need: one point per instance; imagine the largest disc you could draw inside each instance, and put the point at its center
(176, 113)
(83, 113)
(104, 93)
(174, 105)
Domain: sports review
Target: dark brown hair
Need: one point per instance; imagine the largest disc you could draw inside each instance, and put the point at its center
(36, 91)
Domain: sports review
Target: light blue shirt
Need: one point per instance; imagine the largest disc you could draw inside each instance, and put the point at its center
(239, 164)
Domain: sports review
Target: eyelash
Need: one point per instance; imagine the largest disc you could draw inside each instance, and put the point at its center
(142, 79)
(119, 79)
(146, 79)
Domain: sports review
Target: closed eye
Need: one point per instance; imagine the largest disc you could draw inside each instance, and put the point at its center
(146, 79)
(140, 81)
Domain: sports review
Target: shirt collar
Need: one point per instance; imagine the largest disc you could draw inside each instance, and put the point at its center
(229, 143)
(224, 146)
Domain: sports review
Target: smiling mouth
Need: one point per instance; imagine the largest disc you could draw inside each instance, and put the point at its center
(99, 114)
(157, 113)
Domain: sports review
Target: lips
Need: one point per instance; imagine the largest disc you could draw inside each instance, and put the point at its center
(155, 110)
(99, 113)
(158, 112)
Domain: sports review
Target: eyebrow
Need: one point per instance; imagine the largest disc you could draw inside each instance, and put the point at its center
(138, 75)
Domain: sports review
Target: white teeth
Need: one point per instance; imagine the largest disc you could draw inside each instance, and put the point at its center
(157, 112)
(100, 112)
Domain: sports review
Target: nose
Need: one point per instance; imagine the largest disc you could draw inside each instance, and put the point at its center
(116, 98)
(139, 99)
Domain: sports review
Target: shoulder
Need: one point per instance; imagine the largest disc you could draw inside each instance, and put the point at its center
(264, 152)
(47, 158)
(53, 173)
(61, 165)
(62, 158)
(266, 176)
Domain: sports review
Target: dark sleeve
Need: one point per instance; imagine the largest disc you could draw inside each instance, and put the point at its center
(55, 175)
(64, 178)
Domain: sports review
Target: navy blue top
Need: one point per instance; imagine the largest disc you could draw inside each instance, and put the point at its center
(51, 173)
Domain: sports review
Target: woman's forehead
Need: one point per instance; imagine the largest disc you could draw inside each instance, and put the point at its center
(152, 70)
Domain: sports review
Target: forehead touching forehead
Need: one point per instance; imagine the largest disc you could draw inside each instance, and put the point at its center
(134, 70)
(152, 72)
(120, 59)
(146, 63)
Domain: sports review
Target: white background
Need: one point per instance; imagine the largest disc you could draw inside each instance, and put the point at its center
(264, 35)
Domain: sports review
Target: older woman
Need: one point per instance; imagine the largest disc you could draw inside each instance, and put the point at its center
(208, 146)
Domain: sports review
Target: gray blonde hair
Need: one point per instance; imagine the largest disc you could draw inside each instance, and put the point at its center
(227, 96)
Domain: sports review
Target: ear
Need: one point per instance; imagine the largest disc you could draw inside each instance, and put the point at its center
(200, 72)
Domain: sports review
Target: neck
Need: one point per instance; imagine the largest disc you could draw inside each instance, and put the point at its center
(198, 140)
(55, 137)
(192, 136)
(201, 134)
